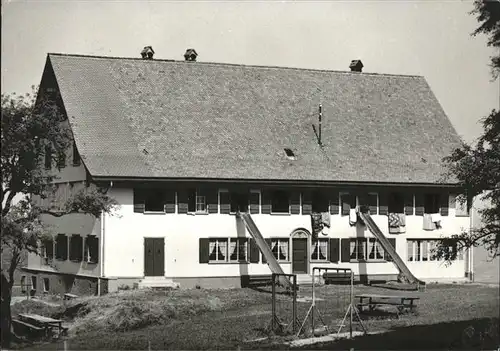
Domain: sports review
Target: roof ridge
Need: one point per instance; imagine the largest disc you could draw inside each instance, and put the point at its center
(235, 65)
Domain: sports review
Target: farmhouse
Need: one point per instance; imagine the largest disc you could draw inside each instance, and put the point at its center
(196, 152)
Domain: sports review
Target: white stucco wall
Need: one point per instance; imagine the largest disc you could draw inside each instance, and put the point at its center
(125, 233)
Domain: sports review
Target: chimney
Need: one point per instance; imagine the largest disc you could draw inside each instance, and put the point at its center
(147, 53)
(190, 55)
(356, 66)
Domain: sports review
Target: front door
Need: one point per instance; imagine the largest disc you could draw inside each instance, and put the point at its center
(299, 258)
(154, 257)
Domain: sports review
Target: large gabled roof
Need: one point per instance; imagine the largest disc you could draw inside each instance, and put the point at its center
(171, 119)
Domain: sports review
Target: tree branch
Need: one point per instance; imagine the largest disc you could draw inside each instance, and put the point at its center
(8, 203)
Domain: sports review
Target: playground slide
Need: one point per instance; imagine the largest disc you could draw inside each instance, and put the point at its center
(264, 248)
(372, 226)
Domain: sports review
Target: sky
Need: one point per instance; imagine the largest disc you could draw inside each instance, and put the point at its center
(428, 38)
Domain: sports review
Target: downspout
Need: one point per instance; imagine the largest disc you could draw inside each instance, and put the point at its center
(471, 249)
(101, 247)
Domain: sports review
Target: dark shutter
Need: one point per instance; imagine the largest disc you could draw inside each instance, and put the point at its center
(345, 250)
(268, 242)
(266, 201)
(182, 201)
(306, 202)
(254, 202)
(392, 241)
(408, 204)
(372, 203)
(191, 200)
(346, 200)
(419, 204)
(169, 201)
(204, 250)
(94, 249)
(76, 248)
(295, 202)
(139, 201)
(212, 198)
(443, 204)
(225, 202)
(383, 204)
(334, 203)
(254, 251)
(334, 250)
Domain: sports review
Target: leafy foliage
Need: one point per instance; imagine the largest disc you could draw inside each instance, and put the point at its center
(488, 14)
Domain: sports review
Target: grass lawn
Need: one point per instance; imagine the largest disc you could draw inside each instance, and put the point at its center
(225, 319)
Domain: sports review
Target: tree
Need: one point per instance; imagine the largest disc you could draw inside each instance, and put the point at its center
(31, 126)
(477, 166)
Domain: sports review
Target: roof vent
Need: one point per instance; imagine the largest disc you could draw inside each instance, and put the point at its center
(190, 55)
(147, 53)
(356, 66)
(289, 153)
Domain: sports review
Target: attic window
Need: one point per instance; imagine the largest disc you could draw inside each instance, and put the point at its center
(290, 154)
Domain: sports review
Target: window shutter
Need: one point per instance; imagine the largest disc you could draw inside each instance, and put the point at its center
(306, 203)
(419, 204)
(170, 201)
(452, 200)
(372, 203)
(64, 247)
(182, 201)
(348, 201)
(334, 203)
(212, 198)
(392, 241)
(266, 202)
(334, 250)
(254, 251)
(225, 202)
(139, 201)
(268, 242)
(204, 250)
(86, 249)
(345, 247)
(408, 204)
(383, 204)
(295, 202)
(443, 206)
(254, 202)
(94, 249)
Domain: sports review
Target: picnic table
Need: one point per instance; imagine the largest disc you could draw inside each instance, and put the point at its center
(37, 322)
(401, 302)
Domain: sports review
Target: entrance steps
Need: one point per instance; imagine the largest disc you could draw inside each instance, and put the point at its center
(156, 283)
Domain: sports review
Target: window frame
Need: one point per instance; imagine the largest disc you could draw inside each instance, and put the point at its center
(376, 245)
(195, 194)
(313, 248)
(46, 284)
(276, 256)
(238, 245)
(227, 258)
(365, 249)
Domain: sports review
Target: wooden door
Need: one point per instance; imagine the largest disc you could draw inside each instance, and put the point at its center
(299, 258)
(154, 257)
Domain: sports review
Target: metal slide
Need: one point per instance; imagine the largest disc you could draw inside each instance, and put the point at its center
(264, 248)
(372, 226)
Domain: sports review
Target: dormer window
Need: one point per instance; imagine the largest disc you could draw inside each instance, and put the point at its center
(289, 154)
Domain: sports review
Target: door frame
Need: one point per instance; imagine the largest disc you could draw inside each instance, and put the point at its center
(144, 255)
(301, 233)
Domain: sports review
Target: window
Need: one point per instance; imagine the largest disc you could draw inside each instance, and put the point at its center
(396, 203)
(319, 248)
(279, 247)
(23, 283)
(366, 249)
(48, 249)
(375, 250)
(239, 202)
(280, 202)
(218, 250)
(154, 200)
(289, 154)
(320, 202)
(46, 285)
(409, 253)
(423, 250)
(48, 157)
(33, 282)
(76, 156)
(196, 202)
(238, 250)
(431, 203)
(76, 248)
(91, 250)
(61, 247)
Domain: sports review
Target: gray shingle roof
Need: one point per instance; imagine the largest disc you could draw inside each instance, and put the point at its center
(170, 119)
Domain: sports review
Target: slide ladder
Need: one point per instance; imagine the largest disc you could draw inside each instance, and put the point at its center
(405, 271)
(264, 248)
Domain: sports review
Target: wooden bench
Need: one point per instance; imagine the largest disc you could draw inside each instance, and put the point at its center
(69, 296)
(340, 278)
(22, 327)
(402, 303)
